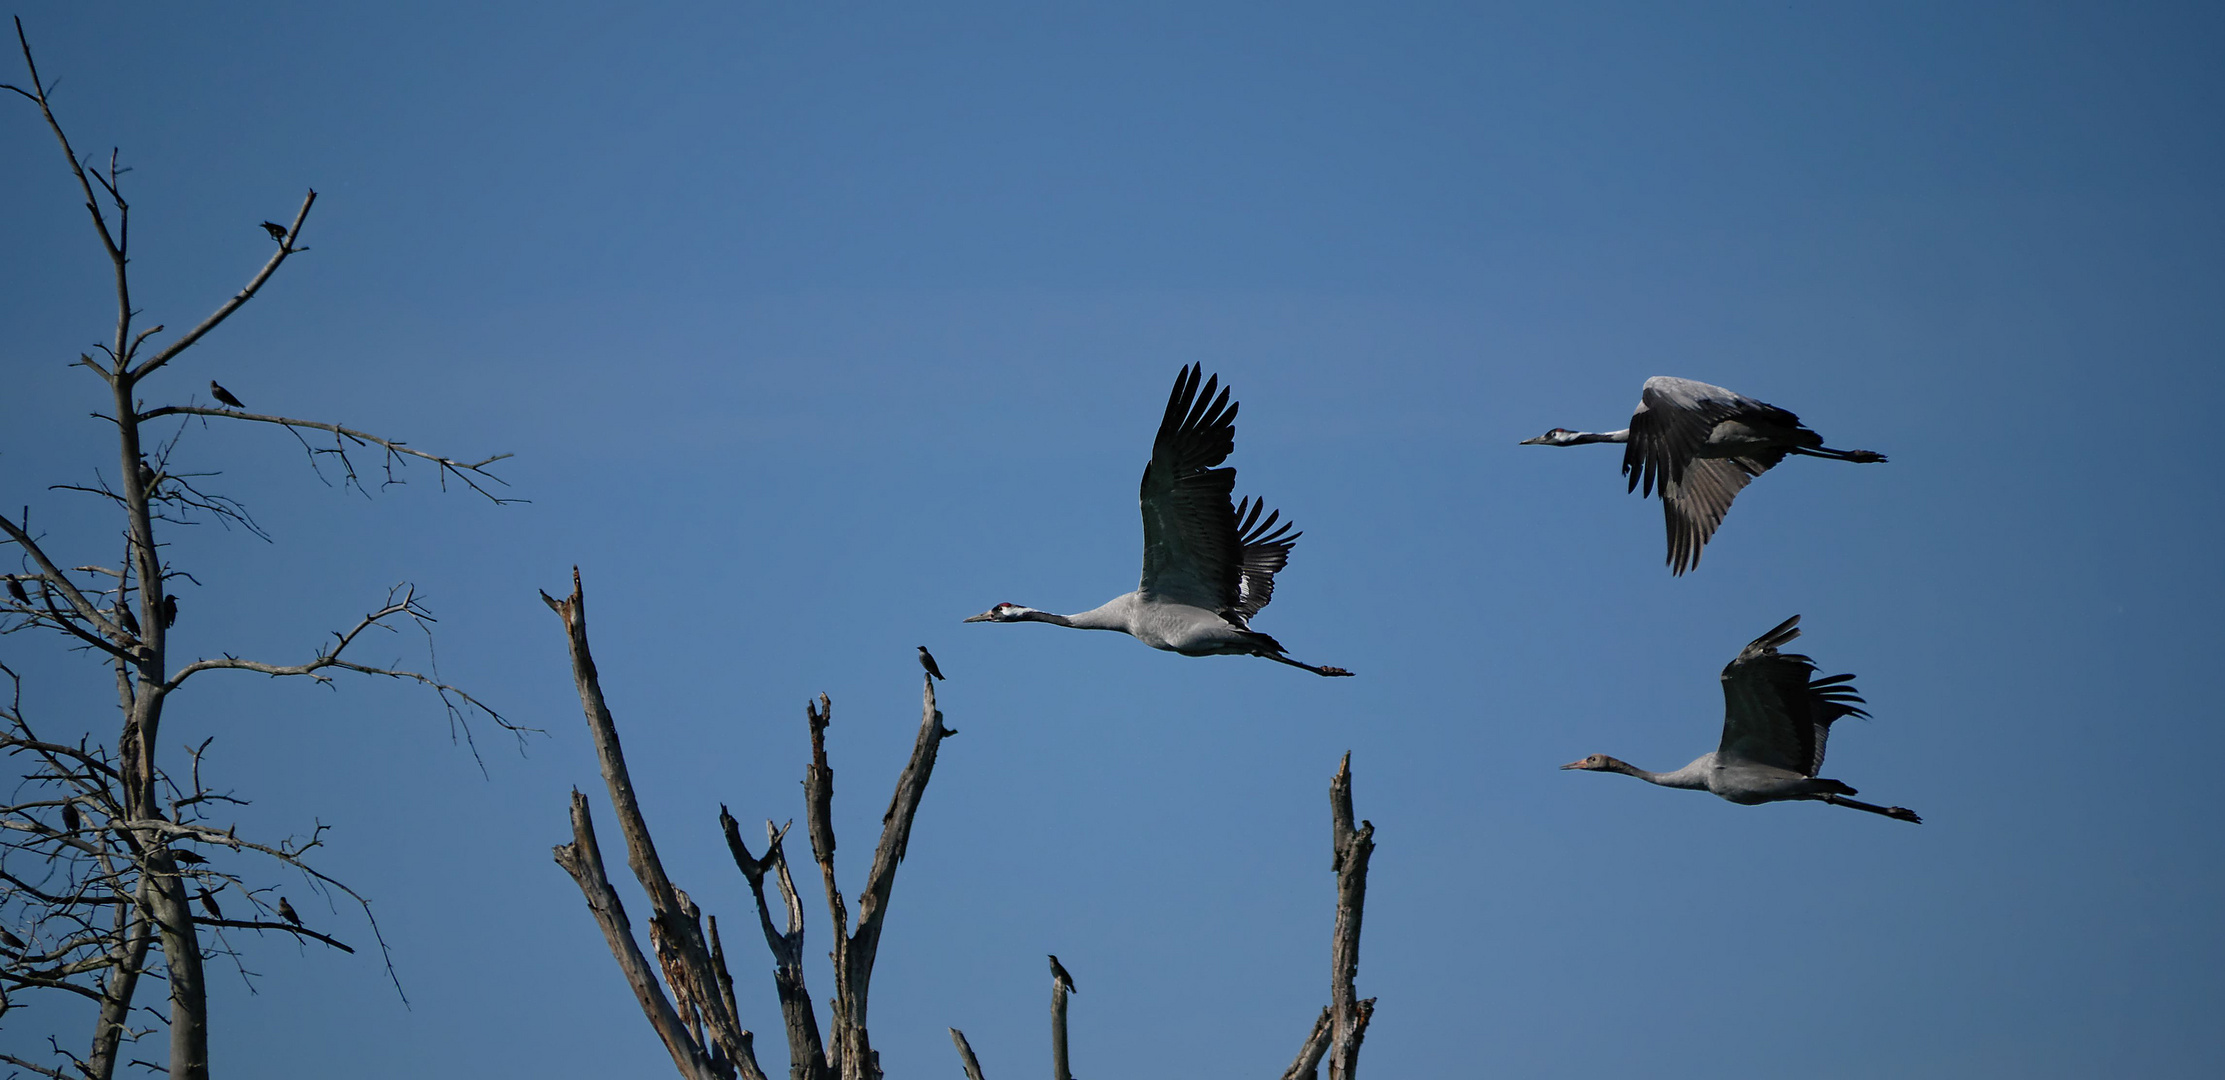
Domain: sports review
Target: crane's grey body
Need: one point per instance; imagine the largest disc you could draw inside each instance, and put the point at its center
(1777, 718)
(1208, 566)
(1701, 445)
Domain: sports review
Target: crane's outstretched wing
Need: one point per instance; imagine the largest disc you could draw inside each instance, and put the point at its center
(1673, 422)
(1775, 711)
(1192, 552)
(1694, 504)
(1266, 549)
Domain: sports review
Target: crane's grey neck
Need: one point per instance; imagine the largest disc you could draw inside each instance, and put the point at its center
(1582, 437)
(1692, 777)
(1113, 614)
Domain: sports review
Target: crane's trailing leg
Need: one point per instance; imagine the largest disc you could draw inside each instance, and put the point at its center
(1897, 813)
(1323, 669)
(1859, 457)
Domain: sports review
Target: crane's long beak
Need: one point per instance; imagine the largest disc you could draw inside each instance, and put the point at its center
(1577, 764)
(1532, 442)
(985, 616)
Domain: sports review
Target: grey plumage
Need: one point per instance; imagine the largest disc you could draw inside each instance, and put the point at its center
(1209, 565)
(224, 396)
(130, 621)
(277, 232)
(1699, 446)
(286, 912)
(927, 660)
(1777, 718)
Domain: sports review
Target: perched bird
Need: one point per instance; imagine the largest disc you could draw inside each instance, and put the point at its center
(1776, 719)
(1059, 975)
(147, 474)
(169, 609)
(130, 621)
(15, 591)
(1208, 567)
(1701, 445)
(189, 858)
(286, 912)
(927, 660)
(208, 900)
(71, 820)
(224, 395)
(277, 232)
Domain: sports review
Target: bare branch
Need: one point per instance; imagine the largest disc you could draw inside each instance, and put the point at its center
(1307, 1066)
(691, 969)
(807, 1054)
(469, 473)
(965, 1054)
(115, 250)
(583, 860)
(224, 311)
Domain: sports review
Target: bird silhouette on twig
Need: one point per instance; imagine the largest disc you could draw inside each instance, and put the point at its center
(277, 232)
(927, 660)
(15, 589)
(1059, 975)
(286, 912)
(224, 395)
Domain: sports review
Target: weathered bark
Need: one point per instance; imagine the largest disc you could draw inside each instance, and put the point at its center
(583, 860)
(1353, 846)
(965, 1054)
(1307, 1065)
(852, 1056)
(1060, 1069)
(702, 988)
(807, 1056)
(695, 978)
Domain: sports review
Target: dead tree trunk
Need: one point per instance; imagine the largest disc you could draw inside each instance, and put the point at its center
(698, 1022)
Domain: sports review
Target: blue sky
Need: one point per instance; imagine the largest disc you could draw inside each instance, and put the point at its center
(815, 330)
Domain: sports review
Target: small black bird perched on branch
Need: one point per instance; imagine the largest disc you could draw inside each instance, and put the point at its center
(190, 858)
(277, 232)
(208, 900)
(286, 912)
(130, 621)
(1059, 975)
(15, 589)
(169, 612)
(70, 818)
(224, 395)
(927, 660)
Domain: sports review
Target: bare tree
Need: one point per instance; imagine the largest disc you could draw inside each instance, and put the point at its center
(101, 867)
(688, 994)
(697, 1019)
